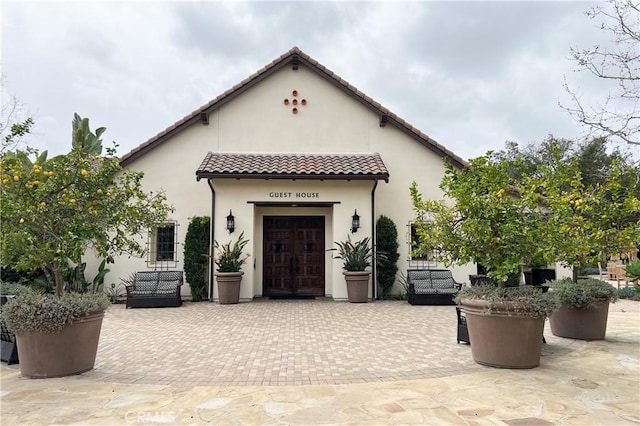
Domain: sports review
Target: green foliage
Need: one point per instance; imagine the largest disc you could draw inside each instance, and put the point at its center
(8, 274)
(584, 223)
(528, 300)
(629, 293)
(583, 293)
(387, 244)
(355, 257)
(14, 289)
(54, 209)
(114, 291)
(50, 313)
(633, 271)
(82, 139)
(230, 258)
(485, 218)
(16, 132)
(76, 281)
(504, 213)
(196, 256)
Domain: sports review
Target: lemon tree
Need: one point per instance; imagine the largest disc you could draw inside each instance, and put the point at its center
(483, 218)
(54, 209)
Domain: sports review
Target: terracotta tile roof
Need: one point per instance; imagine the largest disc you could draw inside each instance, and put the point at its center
(295, 55)
(292, 166)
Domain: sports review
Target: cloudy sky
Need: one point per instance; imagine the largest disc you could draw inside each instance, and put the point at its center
(471, 75)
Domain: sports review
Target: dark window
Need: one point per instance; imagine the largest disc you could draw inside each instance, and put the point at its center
(415, 242)
(166, 242)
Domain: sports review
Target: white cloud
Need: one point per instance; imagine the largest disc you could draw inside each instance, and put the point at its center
(471, 75)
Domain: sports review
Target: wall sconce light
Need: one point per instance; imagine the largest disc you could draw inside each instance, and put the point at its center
(231, 223)
(355, 221)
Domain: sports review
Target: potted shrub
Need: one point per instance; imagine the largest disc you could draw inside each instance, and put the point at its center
(356, 258)
(229, 260)
(56, 335)
(490, 218)
(506, 323)
(53, 211)
(584, 307)
(8, 347)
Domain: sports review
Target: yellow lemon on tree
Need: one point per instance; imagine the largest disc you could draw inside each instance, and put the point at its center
(83, 172)
(21, 220)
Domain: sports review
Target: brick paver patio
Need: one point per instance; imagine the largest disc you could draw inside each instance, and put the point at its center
(285, 342)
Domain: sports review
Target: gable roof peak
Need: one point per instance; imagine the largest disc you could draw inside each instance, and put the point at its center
(294, 55)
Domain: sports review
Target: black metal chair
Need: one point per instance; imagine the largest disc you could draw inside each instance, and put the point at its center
(463, 332)
(8, 346)
(482, 280)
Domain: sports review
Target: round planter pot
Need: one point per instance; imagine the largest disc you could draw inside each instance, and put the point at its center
(72, 351)
(229, 287)
(580, 323)
(503, 339)
(357, 285)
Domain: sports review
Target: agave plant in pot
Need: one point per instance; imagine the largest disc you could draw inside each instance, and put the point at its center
(229, 261)
(584, 308)
(356, 258)
(54, 210)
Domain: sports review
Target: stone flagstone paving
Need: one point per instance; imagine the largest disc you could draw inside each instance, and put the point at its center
(290, 362)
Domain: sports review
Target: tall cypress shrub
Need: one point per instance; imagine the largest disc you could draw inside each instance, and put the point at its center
(196, 256)
(387, 245)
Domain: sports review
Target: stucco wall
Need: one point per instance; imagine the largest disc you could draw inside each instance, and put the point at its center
(259, 121)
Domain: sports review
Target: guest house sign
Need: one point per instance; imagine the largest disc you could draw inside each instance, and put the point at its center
(298, 195)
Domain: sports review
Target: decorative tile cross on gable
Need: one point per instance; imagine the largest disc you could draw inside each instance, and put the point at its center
(295, 102)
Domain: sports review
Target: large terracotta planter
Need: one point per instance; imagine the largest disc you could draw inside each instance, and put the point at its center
(72, 351)
(583, 323)
(503, 339)
(357, 285)
(229, 287)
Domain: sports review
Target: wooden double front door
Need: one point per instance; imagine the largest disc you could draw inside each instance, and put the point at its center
(293, 255)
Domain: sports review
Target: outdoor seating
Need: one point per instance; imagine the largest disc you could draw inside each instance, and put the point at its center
(463, 331)
(482, 280)
(8, 348)
(621, 275)
(603, 274)
(432, 287)
(612, 268)
(155, 289)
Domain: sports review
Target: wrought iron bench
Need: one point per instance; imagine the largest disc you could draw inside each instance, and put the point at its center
(155, 289)
(432, 287)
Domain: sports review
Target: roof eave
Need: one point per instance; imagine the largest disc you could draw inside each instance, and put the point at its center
(289, 176)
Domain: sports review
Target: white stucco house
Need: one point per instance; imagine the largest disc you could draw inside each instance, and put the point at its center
(292, 152)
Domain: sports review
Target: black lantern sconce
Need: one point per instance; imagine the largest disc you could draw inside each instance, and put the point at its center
(231, 223)
(355, 221)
